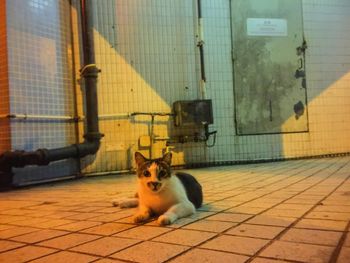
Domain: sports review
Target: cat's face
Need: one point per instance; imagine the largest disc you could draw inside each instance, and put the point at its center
(153, 174)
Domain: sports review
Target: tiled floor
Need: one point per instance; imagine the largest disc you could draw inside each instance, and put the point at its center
(292, 211)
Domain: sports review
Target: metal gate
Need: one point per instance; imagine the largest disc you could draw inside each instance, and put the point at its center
(269, 66)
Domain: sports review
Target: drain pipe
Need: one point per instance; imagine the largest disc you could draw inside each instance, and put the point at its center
(92, 135)
(200, 45)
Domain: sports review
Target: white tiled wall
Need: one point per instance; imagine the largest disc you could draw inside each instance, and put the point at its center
(147, 51)
(326, 27)
(148, 56)
(40, 81)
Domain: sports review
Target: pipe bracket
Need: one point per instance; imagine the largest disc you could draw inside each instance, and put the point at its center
(89, 70)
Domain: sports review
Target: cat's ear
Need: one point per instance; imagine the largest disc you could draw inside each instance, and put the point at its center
(167, 158)
(139, 159)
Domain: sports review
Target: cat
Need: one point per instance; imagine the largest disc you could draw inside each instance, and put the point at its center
(161, 193)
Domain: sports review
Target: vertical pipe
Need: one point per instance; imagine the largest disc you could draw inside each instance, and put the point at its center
(90, 71)
(92, 135)
(200, 45)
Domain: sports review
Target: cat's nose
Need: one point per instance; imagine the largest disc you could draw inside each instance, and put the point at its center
(153, 185)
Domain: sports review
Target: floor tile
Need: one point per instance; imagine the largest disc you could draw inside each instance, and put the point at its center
(300, 207)
(68, 241)
(17, 231)
(263, 200)
(321, 224)
(30, 222)
(143, 232)
(347, 240)
(271, 220)
(284, 213)
(83, 216)
(39, 236)
(60, 214)
(52, 223)
(267, 260)
(185, 237)
(112, 217)
(108, 260)
(4, 219)
(298, 252)
(344, 255)
(144, 253)
(333, 208)
(107, 229)
(210, 226)
(329, 216)
(240, 245)
(7, 245)
(258, 231)
(77, 226)
(229, 217)
(317, 237)
(105, 246)
(14, 212)
(24, 254)
(246, 210)
(5, 227)
(65, 257)
(204, 255)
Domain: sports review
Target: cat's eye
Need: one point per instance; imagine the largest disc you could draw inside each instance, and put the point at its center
(161, 173)
(146, 173)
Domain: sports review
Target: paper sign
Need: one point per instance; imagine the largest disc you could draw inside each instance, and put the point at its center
(267, 27)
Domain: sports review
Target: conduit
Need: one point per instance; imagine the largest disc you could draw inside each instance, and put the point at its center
(92, 136)
(200, 45)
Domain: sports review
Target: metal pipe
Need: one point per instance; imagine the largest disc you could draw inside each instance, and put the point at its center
(153, 113)
(200, 45)
(114, 116)
(61, 118)
(92, 136)
(38, 117)
(89, 72)
(109, 172)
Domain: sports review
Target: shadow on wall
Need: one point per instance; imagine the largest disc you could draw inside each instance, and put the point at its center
(147, 63)
(147, 53)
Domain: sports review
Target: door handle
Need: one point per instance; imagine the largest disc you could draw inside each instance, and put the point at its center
(301, 63)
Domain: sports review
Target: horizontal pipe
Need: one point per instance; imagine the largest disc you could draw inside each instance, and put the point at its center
(45, 156)
(158, 138)
(108, 173)
(79, 118)
(38, 117)
(153, 113)
(46, 181)
(114, 116)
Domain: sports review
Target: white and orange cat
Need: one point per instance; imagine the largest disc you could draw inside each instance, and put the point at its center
(159, 193)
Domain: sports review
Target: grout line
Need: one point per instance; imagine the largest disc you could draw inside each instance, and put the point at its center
(336, 252)
(309, 167)
(254, 256)
(303, 216)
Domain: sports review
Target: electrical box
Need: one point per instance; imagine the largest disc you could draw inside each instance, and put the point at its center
(193, 112)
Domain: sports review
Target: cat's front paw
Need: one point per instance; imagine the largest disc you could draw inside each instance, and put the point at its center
(139, 218)
(164, 220)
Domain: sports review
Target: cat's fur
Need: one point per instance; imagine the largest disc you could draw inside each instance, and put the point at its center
(160, 193)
